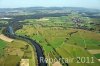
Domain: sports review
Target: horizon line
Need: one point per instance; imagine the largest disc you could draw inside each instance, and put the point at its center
(45, 7)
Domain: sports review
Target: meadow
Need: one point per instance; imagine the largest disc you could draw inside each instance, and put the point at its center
(14, 52)
(60, 38)
(2, 46)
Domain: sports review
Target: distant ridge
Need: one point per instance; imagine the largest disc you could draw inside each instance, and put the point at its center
(48, 8)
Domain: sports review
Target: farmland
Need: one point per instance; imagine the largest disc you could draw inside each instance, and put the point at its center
(67, 36)
(2, 46)
(61, 38)
(15, 51)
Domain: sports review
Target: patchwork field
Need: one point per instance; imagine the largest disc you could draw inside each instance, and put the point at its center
(59, 41)
(66, 36)
(11, 53)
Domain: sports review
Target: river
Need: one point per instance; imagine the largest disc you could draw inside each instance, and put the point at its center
(39, 50)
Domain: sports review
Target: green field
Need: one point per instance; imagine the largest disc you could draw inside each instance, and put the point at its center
(2, 46)
(14, 52)
(54, 35)
(66, 36)
(71, 51)
(97, 56)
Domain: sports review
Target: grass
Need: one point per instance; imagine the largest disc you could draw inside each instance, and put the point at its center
(56, 37)
(52, 34)
(33, 60)
(97, 56)
(15, 51)
(72, 51)
(91, 39)
(2, 46)
(11, 60)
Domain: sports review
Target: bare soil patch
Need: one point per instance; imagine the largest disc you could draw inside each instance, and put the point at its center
(56, 64)
(99, 60)
(94, 51)
(5, 38)
(24, 62)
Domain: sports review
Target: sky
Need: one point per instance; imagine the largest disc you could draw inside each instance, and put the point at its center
(50, 3)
